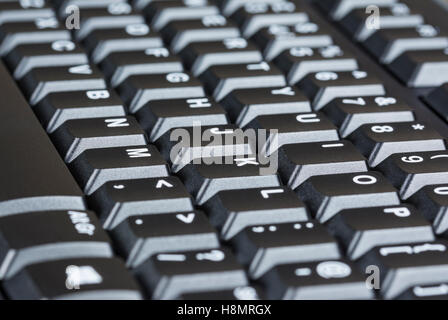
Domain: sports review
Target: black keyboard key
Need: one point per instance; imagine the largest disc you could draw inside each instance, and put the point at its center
(203, 180)
(74, 279)
(359, 230)
(41, 30)
(21, 11)
(95, 167)
(117, 66)
(160, 13)
(199, 56)
(38, 185)
(322, 87)
(379, 141)
(298, 162)
(76, 136)
(411, 171)
(298, 62)
(351, 113)
(327, 195)
(407, 265)
(228, 7)
(179, 34)
(58, 53)
(419, 69)
(118, 14)
(63, 5)
(138, 36)
(387, 45)
(161, 116)
(221, 80)
(239, 293)
(49, 235)
(59, 107)
(168, 275)
(233, 210)
(41, 81)
(427, 292)
(437, 100)
(117, 200)
(337, 9)
(245, 105)
(261, 248)
(138, 90)
(254, 16)
(294, 128)
(432, 201)
(140, 237)
(323, 280)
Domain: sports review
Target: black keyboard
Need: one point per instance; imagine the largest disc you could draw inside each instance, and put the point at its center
(229, 149)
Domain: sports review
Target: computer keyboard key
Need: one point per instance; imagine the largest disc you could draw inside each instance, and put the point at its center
(327, 195)
(432, 200)
(427, 292)
(338, 9)
(179, 34)
(360, 230)
(74, 279)
(420, 69)
(22, 11)
(49, 235)
(40, 30)
(245, 105)
(322, 87)
(233, 210)
(182, 145)
(25, 57)
(437, 100)
(228, 7)
(387, 45)
(76, 136)
(298, 62)
(160, 13)
(261, 248)
(322, 280)
(254, 16)
(351, 113)
(162, 115)
(94, 167)
(379, 141)
(168, 275)
(140, 237)
(406, 265)
(41, 81)
(117, 200)
(277, 38)
(117, 66)
(118, 14)
(298, 162)
(59, 107)
(292, 128)
(223, 79)
(138, 90)
(63, 6)
(239, 293)
(138, 36)
(411, 171)
(199, 56)
(395, 16)
(205, 179)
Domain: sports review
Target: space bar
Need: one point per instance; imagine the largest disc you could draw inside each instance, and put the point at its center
(33, 177)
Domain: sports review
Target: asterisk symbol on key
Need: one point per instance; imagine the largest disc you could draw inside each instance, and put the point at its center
(418, 126)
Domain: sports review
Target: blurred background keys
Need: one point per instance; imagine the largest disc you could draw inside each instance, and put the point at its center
(436, 99)
(233, 210)
(117, 200)
(264, 247)
(74, 279)
(140, 237)
(360, 230)
(327, 195)
(168, 275)
(49, 235)
(323, 280)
